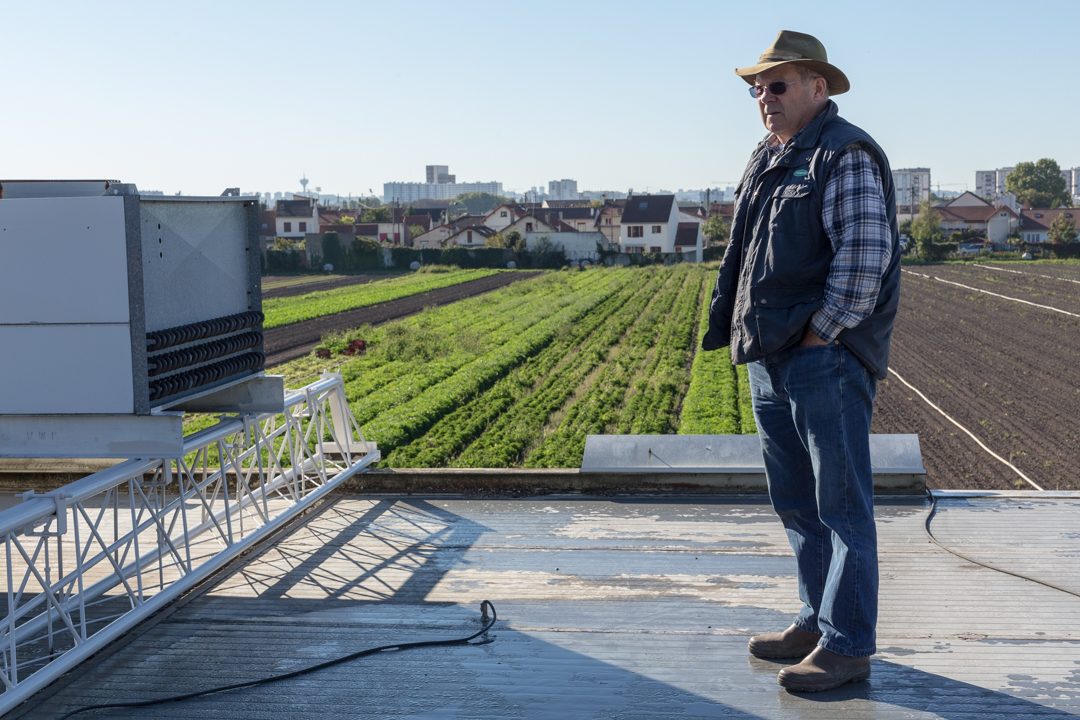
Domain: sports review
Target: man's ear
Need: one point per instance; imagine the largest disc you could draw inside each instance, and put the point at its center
(821, 89)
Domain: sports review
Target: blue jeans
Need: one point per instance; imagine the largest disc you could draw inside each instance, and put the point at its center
(813, 407)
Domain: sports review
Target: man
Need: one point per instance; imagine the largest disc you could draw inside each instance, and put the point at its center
(806, 296)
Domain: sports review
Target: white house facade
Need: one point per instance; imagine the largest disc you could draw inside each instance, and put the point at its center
(649, 224)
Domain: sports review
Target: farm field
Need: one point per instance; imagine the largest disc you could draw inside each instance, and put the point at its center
(519, 377)
(288, 286)
(1006, 371)
(289, 342)
(1061, 291)
(287, 310)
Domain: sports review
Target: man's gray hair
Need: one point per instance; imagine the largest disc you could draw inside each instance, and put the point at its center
(806, 73)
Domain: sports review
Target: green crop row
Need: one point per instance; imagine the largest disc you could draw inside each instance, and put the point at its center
(446, 438)
(499, 328)
(711, 405)
(396, 349)
(601, 407)
(652, 409)
(288, 310)
(505, 442)
(409, 420)
(746, 407)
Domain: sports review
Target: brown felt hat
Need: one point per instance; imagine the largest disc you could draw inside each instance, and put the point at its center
(796, 47)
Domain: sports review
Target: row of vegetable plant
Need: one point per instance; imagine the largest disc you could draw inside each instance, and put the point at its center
(608, 404)
(504, 443)
(453, 432)
(288, 310)
(407, 421)
(712, 404)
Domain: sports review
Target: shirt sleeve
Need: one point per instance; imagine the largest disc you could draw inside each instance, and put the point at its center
(853, 213)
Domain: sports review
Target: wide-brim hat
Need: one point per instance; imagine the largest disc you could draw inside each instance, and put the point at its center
(796, 47)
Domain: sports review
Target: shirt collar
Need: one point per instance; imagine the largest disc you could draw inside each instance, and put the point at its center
(776, 148)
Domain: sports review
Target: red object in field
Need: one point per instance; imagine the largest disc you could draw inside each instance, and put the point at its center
(348, 351)
(358, 346)
(322, 353)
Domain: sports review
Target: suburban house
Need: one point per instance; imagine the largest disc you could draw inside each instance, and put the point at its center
(609, 218)
(471, 236)
(1035, 222)
(970, 212)
(434, 238)
(649, 224)
(438, 235)
(690, 240)
(267, 223)
(422, 220)
(297, 217)
(504, 216)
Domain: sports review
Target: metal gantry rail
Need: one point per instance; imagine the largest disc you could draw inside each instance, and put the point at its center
(87, 562)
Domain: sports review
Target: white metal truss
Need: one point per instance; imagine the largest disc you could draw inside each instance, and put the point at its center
(87, 562)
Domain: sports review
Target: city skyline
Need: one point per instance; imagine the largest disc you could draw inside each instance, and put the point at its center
(211, 103)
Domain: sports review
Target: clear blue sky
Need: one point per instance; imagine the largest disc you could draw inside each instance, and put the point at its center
(197, 96)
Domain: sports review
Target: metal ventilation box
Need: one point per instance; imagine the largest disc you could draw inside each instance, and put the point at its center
(116, 308)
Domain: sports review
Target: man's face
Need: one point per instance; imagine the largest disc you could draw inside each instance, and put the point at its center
(784, 115)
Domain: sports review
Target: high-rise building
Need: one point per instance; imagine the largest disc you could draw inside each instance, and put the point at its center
(990, 184)
(405, 192)
(440, 185)
(1072, 180)
(563, 190)
(912, 185)
(437, 174)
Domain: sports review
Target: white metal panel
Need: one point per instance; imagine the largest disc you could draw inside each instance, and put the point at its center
(889, 454)
(195, 262)
(64, 261)
(65, 369)
(92, 436)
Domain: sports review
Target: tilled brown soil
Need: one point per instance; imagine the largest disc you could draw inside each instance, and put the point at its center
(305, 288)
(1044, 290)
(293, 341)
(1008, 372)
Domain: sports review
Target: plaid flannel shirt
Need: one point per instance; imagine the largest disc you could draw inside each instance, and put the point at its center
(853, 213)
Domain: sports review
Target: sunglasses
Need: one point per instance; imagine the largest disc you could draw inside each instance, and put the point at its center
(776, 88)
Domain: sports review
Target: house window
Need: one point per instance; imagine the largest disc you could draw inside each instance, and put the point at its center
(655, 229)
(382, 236)
(654, 249)
(502, 214)
(528, 227)
(288, 227)
(470, 237)
(634, 230)
(397, 237)
(581, 226)
(607, 220)
(635, 249)
(303, 227)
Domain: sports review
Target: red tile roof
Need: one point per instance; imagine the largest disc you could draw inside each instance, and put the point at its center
(1039, 219)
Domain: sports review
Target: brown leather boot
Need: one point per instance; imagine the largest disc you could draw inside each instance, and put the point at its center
(824, 670)
(792, 643)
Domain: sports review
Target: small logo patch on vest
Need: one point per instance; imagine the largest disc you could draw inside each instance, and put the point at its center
(801, 172)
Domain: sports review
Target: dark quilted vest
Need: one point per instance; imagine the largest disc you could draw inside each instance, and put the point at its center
(773, 274)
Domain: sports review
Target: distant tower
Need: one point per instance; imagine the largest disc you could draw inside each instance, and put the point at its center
(304, 182)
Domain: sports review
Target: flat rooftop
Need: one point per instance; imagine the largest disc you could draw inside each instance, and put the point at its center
(617, 607)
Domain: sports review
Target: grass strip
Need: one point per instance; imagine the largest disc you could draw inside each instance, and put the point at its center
(289, 310)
